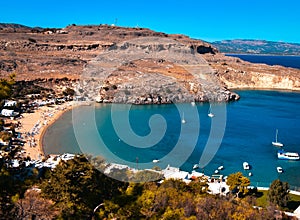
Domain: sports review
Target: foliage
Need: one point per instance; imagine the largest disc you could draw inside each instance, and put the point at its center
(146, 176)
(262, 200)
(33, 206)
(5, 136)
(239, 183)
(69, 92)
(279, 193)
(13, 184)
(1, 124)
(77, 188)
(22, 88)
(6, 87)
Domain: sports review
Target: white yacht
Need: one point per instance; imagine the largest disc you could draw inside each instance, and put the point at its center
(155, 161)
(183, 120)
(281, 154)
(210, 114)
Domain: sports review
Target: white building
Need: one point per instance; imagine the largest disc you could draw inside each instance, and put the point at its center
(174, 173)
(9, 103)
(8, 112)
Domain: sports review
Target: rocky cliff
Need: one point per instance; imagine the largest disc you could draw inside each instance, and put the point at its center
(134, 65)
(238, 74)
(152, 70)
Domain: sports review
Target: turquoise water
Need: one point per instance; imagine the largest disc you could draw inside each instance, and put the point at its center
(250, 125)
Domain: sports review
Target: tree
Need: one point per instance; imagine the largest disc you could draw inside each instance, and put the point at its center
(77, 188)
(6, 86)
(199, 185)
(34, 206)
(69, 92)
(279, 193)
(239, 183)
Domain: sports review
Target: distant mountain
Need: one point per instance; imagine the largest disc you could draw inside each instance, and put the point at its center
(18, 28)
(6, 25)
(257, 47)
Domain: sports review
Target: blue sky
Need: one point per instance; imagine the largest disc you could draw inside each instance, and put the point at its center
(208, 20)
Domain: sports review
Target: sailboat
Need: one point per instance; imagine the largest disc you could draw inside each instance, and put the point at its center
(183, 120)
(210, 114)
(276, 143)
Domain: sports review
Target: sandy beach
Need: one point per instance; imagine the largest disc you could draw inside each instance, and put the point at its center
(34, 125)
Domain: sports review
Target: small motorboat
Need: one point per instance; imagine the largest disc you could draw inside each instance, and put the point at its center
(155, 161)
(216, 171)
(281, 154)
(196, 166)
(246, 166)
(279, 169)
(220, 167)
(250, 174)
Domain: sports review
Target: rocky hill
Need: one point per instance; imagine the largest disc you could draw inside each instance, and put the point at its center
(133, 65)
(238, 74)
(257, 47)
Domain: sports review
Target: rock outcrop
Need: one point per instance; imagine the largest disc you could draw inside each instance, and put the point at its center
(153, 70)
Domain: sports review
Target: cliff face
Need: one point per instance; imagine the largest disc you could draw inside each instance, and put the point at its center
(238, 74)
(152, 70)
(134, 65)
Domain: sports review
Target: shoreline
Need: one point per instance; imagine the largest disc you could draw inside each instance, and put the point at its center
(34, 126)
(53, 120)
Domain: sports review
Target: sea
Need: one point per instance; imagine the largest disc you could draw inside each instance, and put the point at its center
(287, 61)
(240, 131)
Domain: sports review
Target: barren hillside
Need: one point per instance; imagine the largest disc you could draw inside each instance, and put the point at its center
(172, 67)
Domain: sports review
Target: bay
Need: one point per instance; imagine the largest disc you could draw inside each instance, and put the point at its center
(250, 126)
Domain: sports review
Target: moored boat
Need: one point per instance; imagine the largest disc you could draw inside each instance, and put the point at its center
(276, 142)
(246, 166)
(282, 154)
(196, 166)
(279, 169)
(183, 120)
(210, 114)
(155, 161)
